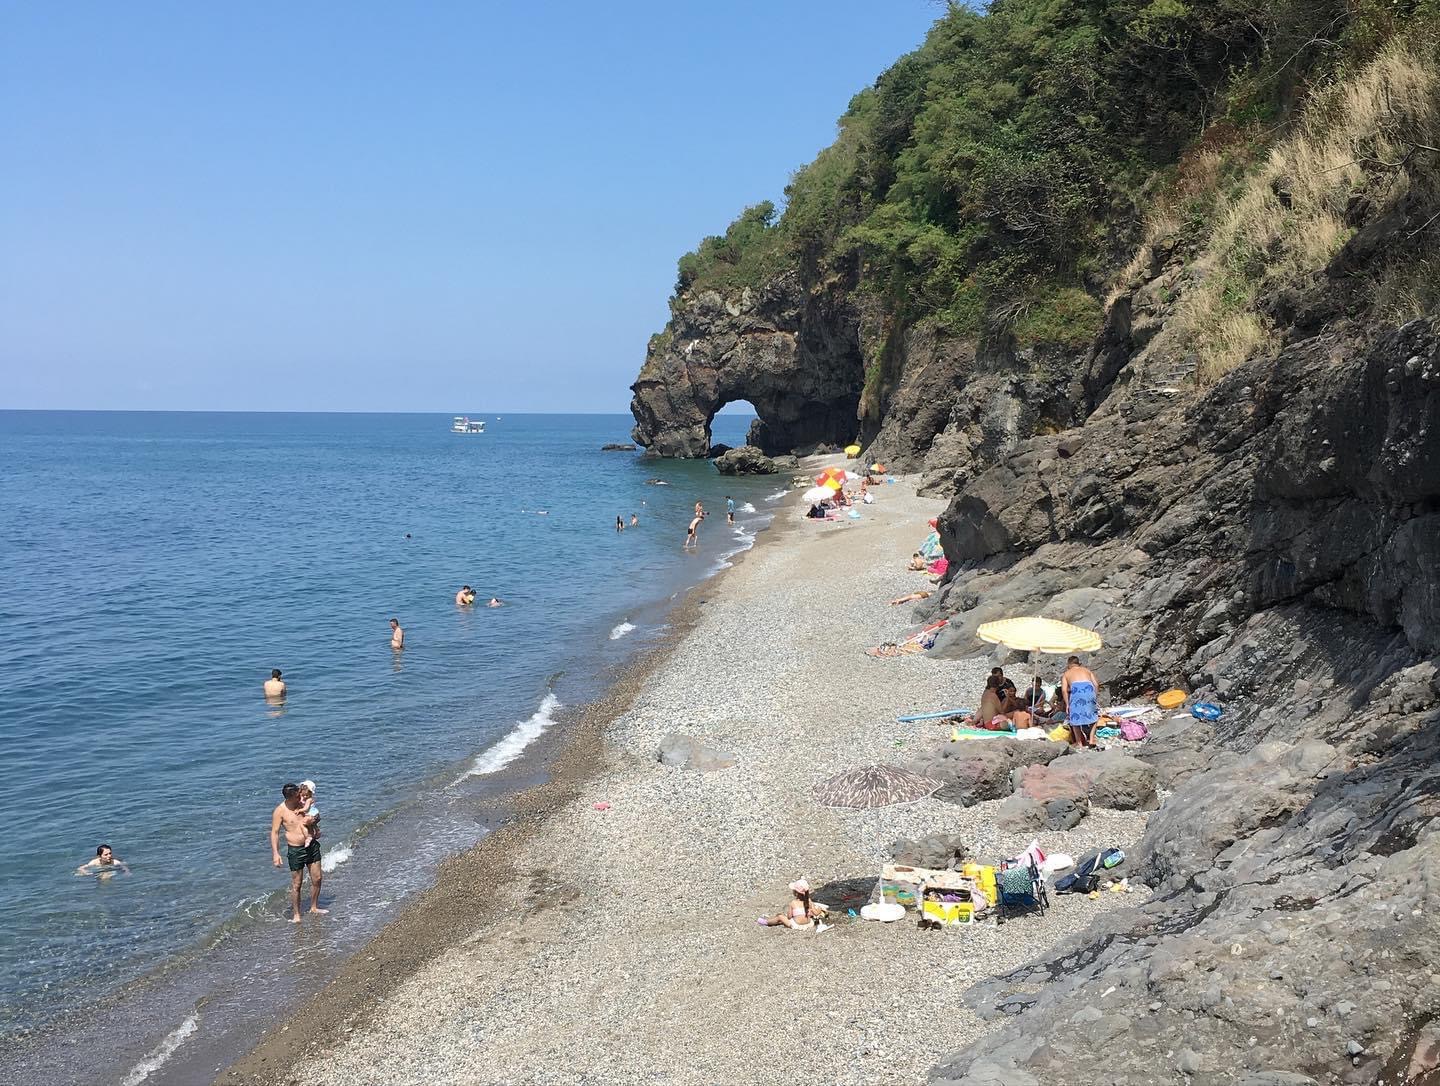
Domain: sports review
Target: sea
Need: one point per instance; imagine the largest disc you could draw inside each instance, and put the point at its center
(155, 566)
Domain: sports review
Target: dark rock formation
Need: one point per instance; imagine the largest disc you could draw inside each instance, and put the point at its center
(618, 447)
(746, 460)
(789, 351)
(718, 449)
(978, 771)
(1274, 546)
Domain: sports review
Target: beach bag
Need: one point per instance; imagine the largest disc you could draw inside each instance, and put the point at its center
(1132, 731)
(1204, 710)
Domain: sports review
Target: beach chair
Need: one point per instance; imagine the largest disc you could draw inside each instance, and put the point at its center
(1021, 890)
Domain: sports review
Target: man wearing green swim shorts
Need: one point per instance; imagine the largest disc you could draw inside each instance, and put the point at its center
(302, 850)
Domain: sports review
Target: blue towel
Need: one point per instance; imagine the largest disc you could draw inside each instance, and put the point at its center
(1082, 708)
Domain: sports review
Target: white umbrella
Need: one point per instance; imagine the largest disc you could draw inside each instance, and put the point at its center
(818, 494)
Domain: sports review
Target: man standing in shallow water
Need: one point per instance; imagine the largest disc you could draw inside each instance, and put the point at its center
(397, 635)
(302, 850)
(275, 685)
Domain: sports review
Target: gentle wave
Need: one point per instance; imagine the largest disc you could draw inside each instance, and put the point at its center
(513, 745)
(621, 630)
(777, 497)
(334, 858)
(163, 1051)
(747, 508)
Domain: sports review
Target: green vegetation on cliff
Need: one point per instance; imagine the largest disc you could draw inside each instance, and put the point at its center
(998, 175)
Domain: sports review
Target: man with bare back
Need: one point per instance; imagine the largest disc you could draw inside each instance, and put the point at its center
(302, 850)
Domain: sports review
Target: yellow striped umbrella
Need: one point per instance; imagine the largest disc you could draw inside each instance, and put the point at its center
(1039, 635)
(852, 450)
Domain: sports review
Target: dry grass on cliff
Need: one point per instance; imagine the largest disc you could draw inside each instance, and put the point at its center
(1287, 219)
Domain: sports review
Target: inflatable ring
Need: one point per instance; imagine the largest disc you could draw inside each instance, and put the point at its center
(1205, 710)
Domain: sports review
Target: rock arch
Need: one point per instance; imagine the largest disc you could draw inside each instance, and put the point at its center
(784, 350)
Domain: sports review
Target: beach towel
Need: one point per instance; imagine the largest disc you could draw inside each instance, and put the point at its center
(1082, 710)
(940, 565)
(931, 548)
(890, 648)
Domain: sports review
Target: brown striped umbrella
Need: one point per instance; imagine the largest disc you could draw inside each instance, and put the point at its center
(874, 786)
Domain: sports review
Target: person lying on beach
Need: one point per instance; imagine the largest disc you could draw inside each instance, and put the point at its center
(911, 598)
(801, 914)
(104, 865)
(274, 685)
(465, 597)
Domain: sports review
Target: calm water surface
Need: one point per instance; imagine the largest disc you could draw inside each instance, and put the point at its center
(156, 566)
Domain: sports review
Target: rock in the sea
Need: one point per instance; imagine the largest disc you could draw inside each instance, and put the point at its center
(616, 446)
(718, 450)
(687, 752)
(746, 460)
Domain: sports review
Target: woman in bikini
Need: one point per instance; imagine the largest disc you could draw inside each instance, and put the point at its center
(801, 914)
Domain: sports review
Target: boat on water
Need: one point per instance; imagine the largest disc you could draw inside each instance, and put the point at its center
(464, 425)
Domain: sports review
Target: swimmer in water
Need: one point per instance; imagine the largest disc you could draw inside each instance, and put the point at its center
(634, 521)
(275, 685)
(465, 597)
(495, 602)
(105, 864)
(619, 523)
(397, 635)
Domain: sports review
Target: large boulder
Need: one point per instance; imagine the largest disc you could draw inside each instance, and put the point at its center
(687, 752)
(974, 771)
(938, 851)
(1110, 779)
(746, 460)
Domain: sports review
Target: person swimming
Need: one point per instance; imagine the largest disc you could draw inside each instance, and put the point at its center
(104, 865)
(495, 601)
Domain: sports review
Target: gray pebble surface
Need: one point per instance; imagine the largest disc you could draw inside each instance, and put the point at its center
(632, 953)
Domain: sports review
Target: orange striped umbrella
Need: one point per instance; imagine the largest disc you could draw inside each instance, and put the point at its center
(834, 478)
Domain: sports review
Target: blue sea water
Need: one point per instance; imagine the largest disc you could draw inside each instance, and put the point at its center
(155, 566)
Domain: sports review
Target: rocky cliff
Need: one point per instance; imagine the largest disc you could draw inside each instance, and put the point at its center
(1234, 476)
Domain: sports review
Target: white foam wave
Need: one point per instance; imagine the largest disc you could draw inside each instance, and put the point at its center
(163, 1051)
(747, 508)
(514, 744)
(777, 497)
(621, 630)
(334, 858)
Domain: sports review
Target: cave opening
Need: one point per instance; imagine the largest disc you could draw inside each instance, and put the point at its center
(731, 424)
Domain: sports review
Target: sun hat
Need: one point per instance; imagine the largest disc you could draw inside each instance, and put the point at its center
(800, 886)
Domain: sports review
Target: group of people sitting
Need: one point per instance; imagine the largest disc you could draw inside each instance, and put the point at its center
(1003, 708)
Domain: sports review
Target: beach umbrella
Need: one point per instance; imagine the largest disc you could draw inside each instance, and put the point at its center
(817, 494)
(873, 786)
(852, 450)
(823, 479)
(1046, 635)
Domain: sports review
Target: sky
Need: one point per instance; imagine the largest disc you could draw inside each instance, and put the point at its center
(388, 207)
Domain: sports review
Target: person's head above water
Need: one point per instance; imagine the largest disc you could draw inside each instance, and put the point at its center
(105, 853)
(394, 623)
(290, 792)
(274, 672)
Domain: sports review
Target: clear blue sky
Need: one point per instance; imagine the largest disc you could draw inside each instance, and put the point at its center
(386, 206)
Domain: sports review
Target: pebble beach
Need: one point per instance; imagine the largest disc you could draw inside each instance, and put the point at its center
(618, 943)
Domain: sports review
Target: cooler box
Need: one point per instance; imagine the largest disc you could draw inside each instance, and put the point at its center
(947, 912)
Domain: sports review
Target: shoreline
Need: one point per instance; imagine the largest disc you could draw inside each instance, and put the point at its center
(553, 951)
(431, 923)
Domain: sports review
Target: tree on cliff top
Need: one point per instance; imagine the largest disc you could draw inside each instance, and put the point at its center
(998, 162)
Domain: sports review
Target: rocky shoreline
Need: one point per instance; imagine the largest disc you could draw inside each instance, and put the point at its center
(619, 944)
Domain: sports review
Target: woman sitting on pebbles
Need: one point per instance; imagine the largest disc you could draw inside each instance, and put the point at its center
(801, 914)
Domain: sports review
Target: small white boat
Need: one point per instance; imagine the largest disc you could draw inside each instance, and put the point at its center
(463, 425)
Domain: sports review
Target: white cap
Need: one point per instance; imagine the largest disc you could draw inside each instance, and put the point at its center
(308, 784)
